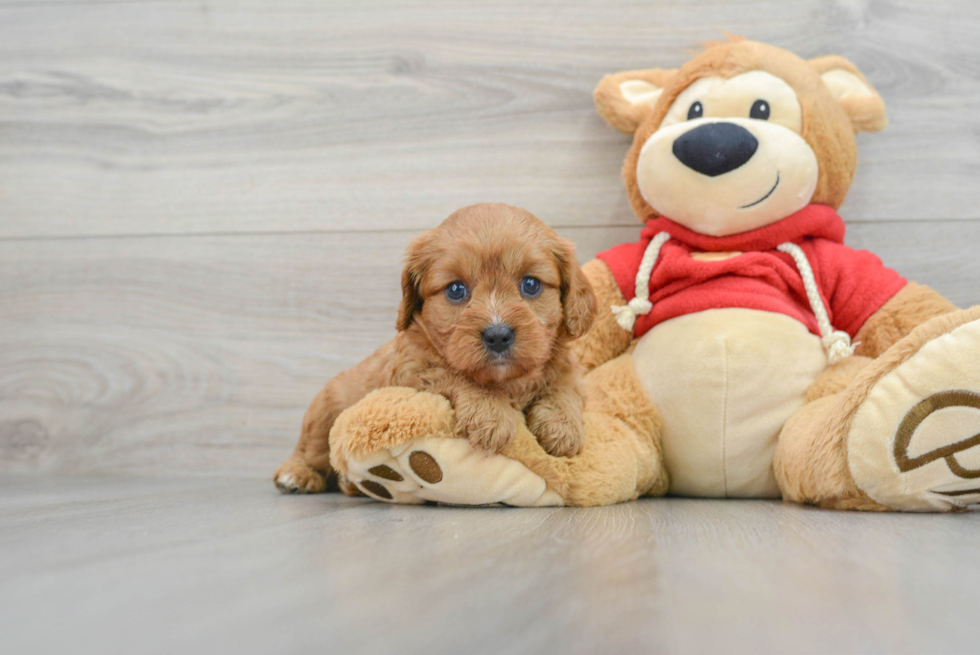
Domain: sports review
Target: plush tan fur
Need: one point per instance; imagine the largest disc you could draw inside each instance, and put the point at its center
(866, 113)
(621, 458)
(811, 463)
(912, 306)
(606, 339)
(622, 455)
(439, 347)
(811, 458)
(387, 417)
(828, 126)
(836, 378)
(616, 110)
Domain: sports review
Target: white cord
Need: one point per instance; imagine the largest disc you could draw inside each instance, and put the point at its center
(640, 305)
(837, 343)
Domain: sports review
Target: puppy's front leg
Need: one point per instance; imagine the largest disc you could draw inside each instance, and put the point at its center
(489, 420)
(555, 418)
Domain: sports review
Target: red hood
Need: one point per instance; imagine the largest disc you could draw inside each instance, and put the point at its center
(818, 221)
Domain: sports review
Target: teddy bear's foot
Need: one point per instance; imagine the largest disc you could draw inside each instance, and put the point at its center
(448, 471)
(399, 445)
(924, 394)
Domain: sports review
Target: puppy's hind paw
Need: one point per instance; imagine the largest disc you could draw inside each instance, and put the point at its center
(297, 477)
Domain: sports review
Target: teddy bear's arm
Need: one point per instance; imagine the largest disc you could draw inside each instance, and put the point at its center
(605, 340)
(913, 305)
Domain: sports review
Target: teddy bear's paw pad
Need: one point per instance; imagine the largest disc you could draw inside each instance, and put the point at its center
(914, 444)
(448, 471)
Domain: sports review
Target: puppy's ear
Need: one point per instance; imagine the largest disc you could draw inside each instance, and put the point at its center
(577, 298)
(417, 259)
(860, 101)
(626, 99)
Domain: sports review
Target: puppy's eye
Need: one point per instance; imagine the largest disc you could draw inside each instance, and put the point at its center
(760, 110)
(457, 292)
(696, 110)
(530, 286)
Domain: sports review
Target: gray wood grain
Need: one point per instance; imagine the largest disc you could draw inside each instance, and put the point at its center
(203, 206)
(198, 354)
(121, 566)
(226, 117)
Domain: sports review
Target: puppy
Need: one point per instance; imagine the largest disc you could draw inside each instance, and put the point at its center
(490, 300)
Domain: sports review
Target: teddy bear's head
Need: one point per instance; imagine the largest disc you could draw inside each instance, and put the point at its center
(741, 136)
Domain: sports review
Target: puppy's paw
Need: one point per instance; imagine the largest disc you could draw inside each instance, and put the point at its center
(297, 477)
(557, 432)
(491, 433)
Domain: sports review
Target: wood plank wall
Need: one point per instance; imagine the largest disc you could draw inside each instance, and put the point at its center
(203, 205)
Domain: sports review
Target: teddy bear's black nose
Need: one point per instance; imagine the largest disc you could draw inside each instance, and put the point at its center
(715, 148)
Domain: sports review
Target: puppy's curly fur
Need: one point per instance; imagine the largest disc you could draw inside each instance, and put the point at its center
(487, 250)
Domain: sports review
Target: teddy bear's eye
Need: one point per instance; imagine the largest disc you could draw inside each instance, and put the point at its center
(457, 291)
(696, 110)
(760, 110)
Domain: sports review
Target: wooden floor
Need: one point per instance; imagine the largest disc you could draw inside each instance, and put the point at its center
(203, 207)
(124, 566)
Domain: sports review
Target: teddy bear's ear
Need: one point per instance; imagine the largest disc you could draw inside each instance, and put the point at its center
(859, 99)
(625, 99)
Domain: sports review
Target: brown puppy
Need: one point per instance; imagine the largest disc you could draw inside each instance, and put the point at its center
(490, 300)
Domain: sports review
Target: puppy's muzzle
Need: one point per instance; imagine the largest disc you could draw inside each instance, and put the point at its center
(714, 149)
(498, 339)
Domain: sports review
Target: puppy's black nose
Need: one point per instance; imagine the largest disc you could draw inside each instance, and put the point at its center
(715, 148)
(498, 338)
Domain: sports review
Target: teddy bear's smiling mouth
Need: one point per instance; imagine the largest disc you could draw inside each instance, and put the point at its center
(753, 204)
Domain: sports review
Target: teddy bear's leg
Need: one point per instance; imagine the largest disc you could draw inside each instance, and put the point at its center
(811, 454)
(623, 439)
(903, 434)
(622, 457)
(399, 445)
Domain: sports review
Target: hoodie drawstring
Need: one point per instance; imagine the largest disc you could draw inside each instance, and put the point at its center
(836, 343)
(641, 305)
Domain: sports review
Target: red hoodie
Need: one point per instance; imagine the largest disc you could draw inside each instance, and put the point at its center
(853, 283)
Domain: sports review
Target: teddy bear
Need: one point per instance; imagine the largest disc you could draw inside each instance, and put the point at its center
(742, 350)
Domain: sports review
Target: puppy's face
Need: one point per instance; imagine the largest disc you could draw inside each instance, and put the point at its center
(495, 290)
